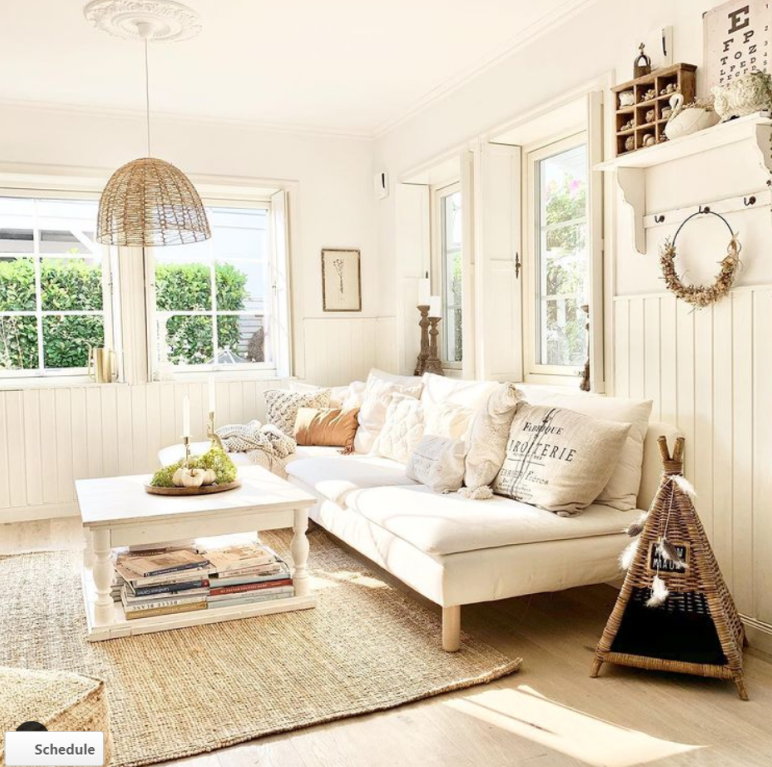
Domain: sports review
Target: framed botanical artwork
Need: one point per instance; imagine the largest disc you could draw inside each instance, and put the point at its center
(341, 281)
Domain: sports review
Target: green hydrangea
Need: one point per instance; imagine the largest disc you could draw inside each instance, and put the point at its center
(215, 458)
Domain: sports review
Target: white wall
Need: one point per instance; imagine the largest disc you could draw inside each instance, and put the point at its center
(48, 438)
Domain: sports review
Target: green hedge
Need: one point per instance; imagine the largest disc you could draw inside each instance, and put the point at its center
(76, 285)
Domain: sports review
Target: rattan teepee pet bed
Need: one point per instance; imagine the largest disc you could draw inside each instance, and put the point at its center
(674, 612)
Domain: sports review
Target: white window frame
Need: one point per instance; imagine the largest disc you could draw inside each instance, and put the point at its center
(536, 372)
(438, 195)
(110, 300)
(260, 370)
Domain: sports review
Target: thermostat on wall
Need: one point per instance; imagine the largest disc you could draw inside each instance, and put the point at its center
(381, 185)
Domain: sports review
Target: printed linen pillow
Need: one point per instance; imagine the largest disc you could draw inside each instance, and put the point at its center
(326, 427)
(377, 395)
(621, 491)
(558, 459)
(438, 463)
(282, 406)
(403, 429)
(488, 436)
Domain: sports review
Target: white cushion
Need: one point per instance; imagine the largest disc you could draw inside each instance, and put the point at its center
(438, 463)
(447, 420)
(621, 490)
(377, 396)
(335, 477)
(282, 406)
(346, 397)
(402, 430)
(447, 524)
(488, 435)
(469, 394)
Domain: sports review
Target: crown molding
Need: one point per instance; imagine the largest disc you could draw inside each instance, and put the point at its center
(563, 13)
(85, 110)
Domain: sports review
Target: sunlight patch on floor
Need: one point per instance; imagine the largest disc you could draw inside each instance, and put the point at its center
(530, 715)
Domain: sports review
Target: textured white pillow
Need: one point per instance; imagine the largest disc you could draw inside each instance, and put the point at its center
(339, 395)
(558, 459)
(377, 396)
(621, 491)
(447, 420)
(469, 394)
(488, 435)
(354, 396)
(403, 429)
(282, 406)
(438, 463)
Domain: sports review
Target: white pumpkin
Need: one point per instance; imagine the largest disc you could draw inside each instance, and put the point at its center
(209, 476)
(192, 477)
(177, 477)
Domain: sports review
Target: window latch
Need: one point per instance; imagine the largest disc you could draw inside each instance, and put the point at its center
(517, 266)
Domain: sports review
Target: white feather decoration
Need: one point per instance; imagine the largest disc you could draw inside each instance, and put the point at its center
(659, 593)
(685, 485)
(634, 529)
(628, 555)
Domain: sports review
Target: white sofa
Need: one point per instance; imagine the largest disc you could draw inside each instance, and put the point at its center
(456, 551)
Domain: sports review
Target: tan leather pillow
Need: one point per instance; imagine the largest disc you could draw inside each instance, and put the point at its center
(326, 427)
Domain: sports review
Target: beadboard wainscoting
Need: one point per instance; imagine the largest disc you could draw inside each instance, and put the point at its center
(710, 371)
(338, 351)
(51, 437)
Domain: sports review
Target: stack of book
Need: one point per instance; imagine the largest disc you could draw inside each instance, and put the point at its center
(246, 574)
(162, 582)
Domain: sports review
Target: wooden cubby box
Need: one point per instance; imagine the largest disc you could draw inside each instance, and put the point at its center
(651, 98)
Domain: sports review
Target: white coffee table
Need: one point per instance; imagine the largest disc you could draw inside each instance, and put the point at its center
(117, 511)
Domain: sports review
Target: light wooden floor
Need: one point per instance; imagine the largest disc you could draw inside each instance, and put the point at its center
(551, 714)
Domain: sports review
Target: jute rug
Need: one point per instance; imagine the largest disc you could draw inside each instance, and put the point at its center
(366, 647)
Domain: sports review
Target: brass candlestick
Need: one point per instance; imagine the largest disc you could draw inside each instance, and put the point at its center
(420, 365)
(433, 364)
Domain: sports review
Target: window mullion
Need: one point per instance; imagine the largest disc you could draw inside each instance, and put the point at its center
(38, 286)
(215, 331)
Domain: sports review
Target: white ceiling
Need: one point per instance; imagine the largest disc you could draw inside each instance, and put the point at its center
(349, 66)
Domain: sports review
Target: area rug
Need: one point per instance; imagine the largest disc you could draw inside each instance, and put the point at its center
(367, 646)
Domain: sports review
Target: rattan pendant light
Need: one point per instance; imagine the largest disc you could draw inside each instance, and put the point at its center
(148, 202)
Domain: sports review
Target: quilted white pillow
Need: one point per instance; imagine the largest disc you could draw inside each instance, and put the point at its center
(438, 463)
(377, 395)
(403, 429)
(621, 491)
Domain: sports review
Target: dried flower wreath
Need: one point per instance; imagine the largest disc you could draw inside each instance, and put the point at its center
(699, 295)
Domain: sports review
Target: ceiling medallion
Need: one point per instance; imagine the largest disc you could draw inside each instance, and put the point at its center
(169, 21)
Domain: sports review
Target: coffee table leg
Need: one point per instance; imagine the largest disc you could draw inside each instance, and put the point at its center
(104, 610)
(300, 548)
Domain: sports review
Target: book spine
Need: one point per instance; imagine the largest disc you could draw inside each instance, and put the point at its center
(250, 587)
(238, 580)
(248, 600)
(166, 610)
(167, 570)
(143, 591)
(283, 591)
(188, 596)
(159, 603)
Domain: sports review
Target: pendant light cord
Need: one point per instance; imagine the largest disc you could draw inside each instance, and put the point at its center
(147, 97)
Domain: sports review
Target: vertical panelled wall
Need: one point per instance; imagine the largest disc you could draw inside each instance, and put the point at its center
(49, 437)
(710, 372)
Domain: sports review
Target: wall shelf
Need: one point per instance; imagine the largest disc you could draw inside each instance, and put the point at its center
(631, 168)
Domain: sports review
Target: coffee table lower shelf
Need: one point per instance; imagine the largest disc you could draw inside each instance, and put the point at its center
(120, 627)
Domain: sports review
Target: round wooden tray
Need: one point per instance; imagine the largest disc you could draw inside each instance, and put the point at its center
(203, 490)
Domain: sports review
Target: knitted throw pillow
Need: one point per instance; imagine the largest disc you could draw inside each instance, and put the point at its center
(282, 406)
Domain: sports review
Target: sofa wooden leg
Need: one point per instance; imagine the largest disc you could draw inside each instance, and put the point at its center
(451, 628)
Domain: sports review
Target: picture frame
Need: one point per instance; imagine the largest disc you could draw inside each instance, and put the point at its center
(341, 280)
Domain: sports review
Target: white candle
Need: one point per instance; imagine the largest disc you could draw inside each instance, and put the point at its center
(186, 417)
(435, 306)
(211, 394)
(424, 290)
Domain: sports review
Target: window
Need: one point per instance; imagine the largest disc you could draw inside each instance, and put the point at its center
(559, 255)
(448, 266)
(54, 291)
(213, 301)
